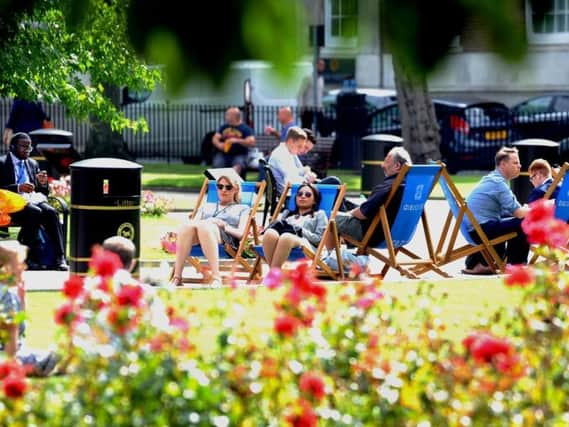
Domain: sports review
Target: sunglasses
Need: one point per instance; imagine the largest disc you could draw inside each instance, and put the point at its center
(227, 187)
(306, 194)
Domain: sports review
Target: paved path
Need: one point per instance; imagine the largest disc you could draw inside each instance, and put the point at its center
(436, 214)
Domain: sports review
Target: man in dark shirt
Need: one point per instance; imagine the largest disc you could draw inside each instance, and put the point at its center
(25, 116)
(540, 177)
(356, 222)
(233, 140)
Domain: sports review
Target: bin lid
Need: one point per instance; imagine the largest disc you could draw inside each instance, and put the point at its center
(105, 163)
(384, 137)
(54, 132)
(536, 142)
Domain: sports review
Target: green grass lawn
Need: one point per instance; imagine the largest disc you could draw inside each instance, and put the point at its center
(467, 300)
(190, 177)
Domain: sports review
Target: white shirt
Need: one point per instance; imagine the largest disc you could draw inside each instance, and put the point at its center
(286, 167)
(16, 162)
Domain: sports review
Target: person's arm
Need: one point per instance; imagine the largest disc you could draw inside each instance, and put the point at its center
(357, 213)
(314, 237)
(40, 179)
(216, 141)
(521, 212)
(240, 229)
(7, 136)
(247, 142)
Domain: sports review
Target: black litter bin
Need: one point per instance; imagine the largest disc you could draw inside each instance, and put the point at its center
(105, 202)
(53, 149)
(351, 124)
(374, 148)
(529, 150)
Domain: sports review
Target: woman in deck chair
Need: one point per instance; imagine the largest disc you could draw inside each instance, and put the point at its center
(303, 227)
(214, 223)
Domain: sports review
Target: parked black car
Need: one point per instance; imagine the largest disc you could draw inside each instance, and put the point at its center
(472, 130)
(545, 116)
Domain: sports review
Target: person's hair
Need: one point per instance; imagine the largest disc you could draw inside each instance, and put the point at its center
(504, 154)
(315, 195)
(309, 135)
(237, 196)
(401, 156)
(295, 133)
(540, 165)
(123, 247)
(17, 137)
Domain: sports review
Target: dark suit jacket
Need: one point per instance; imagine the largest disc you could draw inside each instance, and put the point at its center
(538, 192)
(8, 180)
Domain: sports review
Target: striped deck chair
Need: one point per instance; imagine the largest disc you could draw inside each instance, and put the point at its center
(416, 183)
(447, 251)
(331, 199)
(230, 260)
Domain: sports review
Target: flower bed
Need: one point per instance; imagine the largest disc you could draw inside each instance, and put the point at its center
(131, 360)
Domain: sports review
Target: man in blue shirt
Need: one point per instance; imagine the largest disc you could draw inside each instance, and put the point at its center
(233, 140)
(540, 177)
(498, 212)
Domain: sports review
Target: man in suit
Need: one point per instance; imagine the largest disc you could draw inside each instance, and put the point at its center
(20, 174)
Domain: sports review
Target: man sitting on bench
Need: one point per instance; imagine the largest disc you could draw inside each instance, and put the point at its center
(20, 174)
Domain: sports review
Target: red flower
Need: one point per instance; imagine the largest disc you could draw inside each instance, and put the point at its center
(484, 347)
(519, 275)
(130, 295)
(540, 210)
(11, 367)
(311, 384)
(14, 386)
(73, 287)
(120, 320)
(542, 228)
(286, 325)
(105, 263)
(303, 415)
(65, 315)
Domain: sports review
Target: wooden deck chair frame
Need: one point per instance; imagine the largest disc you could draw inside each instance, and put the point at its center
(557, 179)
(317, 266)
(238, 264)
(452, 228)
(404, 267)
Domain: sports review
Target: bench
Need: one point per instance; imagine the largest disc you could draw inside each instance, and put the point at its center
(318, 158)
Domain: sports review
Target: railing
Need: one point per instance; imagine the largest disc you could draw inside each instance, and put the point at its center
(176, 130)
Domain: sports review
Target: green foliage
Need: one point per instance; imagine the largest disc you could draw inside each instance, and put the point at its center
(46, 60)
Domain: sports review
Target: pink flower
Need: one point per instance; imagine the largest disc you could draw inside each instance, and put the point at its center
(274, 278)
(73, 287)
(369, 299)
(519, 275)
(11, 367)
(542, 228)
(311, 384)
(105, 263)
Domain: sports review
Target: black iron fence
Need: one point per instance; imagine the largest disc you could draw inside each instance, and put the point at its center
(469, 136)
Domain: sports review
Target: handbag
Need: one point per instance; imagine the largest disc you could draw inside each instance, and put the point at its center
(281, 226)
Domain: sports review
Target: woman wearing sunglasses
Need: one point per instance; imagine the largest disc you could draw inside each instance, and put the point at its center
(303, 227)
(214, 223)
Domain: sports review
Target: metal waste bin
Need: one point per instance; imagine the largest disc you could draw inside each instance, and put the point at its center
(105, 202)
(529, 150)
(53, 149)
(374, 149)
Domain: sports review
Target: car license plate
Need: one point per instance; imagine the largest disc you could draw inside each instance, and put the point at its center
(493, 135)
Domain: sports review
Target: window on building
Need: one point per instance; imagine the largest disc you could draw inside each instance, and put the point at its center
(341, 22)
(553, 28)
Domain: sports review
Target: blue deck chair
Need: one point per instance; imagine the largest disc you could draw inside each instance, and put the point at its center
(416, 183)
(251, 195)
(562, 199)
(456, 222)
(331, 199)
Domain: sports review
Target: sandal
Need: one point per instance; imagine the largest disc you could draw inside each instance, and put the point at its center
(176, 281)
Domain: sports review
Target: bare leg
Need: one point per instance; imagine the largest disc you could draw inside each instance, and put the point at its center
(187, 236)
(270, 240)
(208, 235)
(286, 242)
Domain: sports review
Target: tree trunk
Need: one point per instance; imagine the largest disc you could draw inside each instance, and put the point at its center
(103, 141)
(419, 127)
